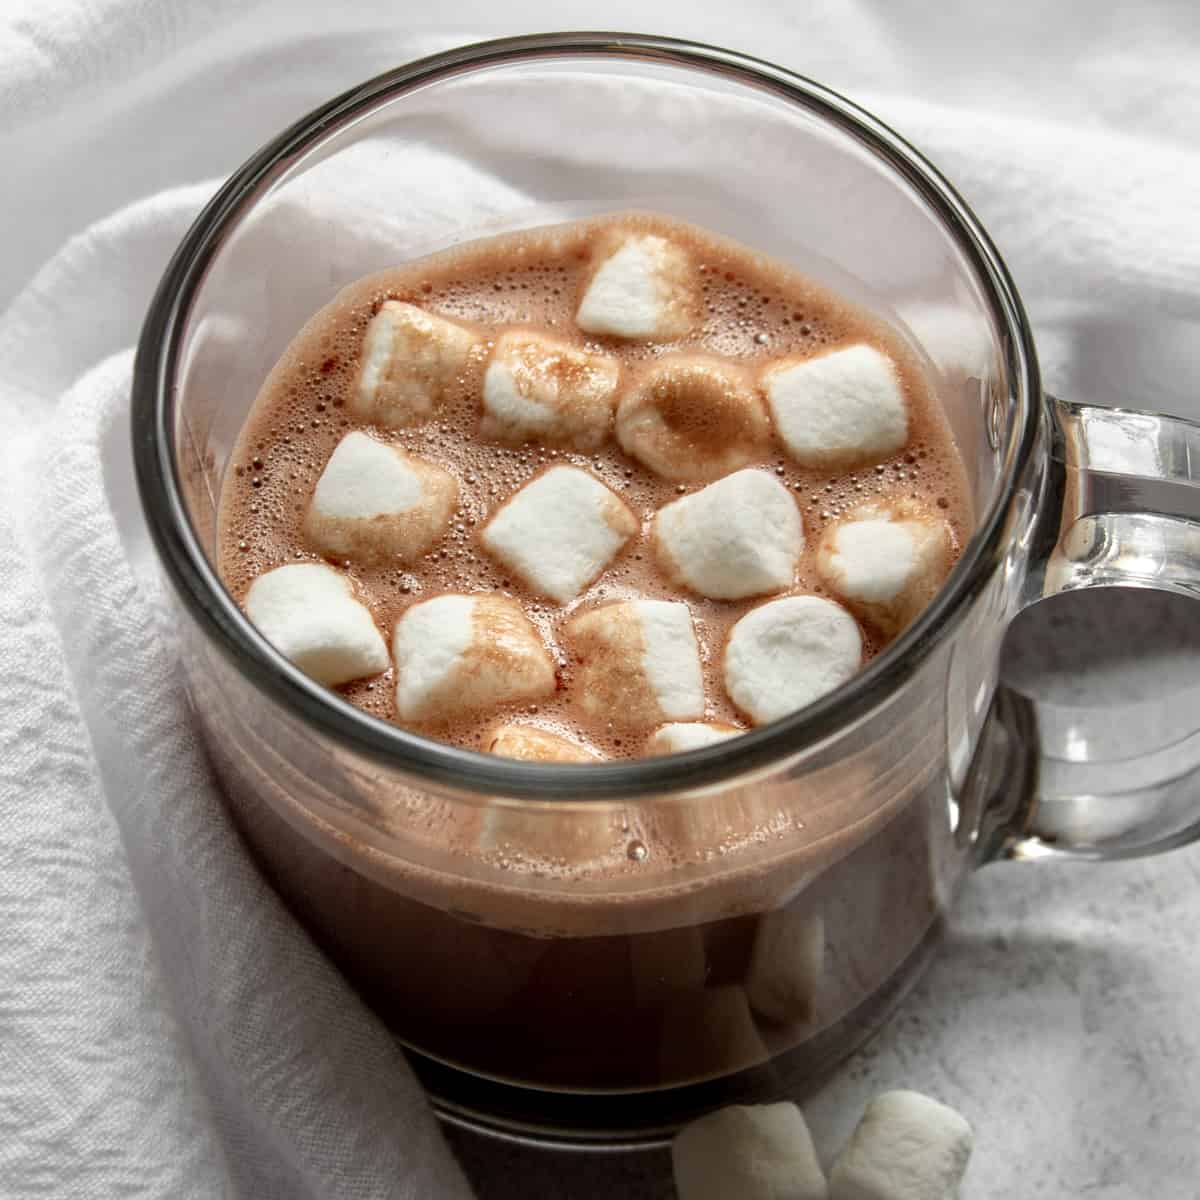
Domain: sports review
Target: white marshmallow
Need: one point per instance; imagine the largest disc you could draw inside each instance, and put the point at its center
(639, 663)
(842, 407)
(886, 562)
(559, 532)
(763, 1152)
(679, 736)
(531, 744)
(741, 536)
(374, 502)
(787, 653)
(644, 289)
(538, 389)
(692, 418)
(410, 360)
(308, 612)
(906, 1147)
(459, 654)
(787, 964)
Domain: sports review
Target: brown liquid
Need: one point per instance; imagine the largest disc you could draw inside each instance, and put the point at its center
(551, 954)
(754, 311)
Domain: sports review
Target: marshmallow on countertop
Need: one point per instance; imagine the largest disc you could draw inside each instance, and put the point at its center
(692, 418)
(531, 744)
(839, 408)
(644, 288)
(906, 1147)
(308, 612)
(741, 536)
(787, 964)
(789, 652)
(678, 736)
(410, 360)
(760, 1152)
(886, 562)
(374, 503)
(539, 389)
(639, 663)
(559, 532)
(462, 654)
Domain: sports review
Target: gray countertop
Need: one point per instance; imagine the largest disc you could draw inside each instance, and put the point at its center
(1061, 1013)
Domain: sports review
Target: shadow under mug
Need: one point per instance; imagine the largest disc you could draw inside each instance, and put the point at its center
(593, 954)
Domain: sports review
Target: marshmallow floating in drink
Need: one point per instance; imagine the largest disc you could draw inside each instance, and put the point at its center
(741, 536)
(411, 360)
(692, 418)
(677, 736)
(531, 744)
(536, 388)
(559, 532)
(885, 561)
(759, 1152)
(460, 654)
(639, 663)
(789, 652)
(643, 287)
(309, 613)
(839, 408)
(906, 1147)
(376, 503)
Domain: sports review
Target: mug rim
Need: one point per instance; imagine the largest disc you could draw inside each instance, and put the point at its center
(448, 767)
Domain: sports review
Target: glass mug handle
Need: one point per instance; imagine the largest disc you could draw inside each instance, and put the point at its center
(1121, 509)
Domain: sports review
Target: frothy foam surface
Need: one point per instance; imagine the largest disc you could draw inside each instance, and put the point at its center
(746, 314)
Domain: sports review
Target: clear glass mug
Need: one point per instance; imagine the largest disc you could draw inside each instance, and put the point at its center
(592, 954)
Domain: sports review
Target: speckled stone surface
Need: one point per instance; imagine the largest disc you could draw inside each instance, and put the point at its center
(1060, 1016)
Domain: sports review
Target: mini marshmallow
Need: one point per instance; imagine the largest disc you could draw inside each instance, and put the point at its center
(459, 654)
(692, 418)
(639, 663)
(839, 408)
(760, 1152)
(308, 612)
(374, 502)
(644, 289)
(559, 532)
(886, 562)
(531, 744)
(906, 1147)
(678, 736)
(787, 964)
(538, 389)
(787, 653)
(410, 360)
(741, 536)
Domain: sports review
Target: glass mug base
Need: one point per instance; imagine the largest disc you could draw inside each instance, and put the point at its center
(616, 1038)
(608, 1012)
(615, 1041)
(645, 1120)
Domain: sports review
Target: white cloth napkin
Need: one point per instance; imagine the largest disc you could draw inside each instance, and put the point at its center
(165, 1029)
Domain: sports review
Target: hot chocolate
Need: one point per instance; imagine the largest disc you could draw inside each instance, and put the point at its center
(597, 491)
